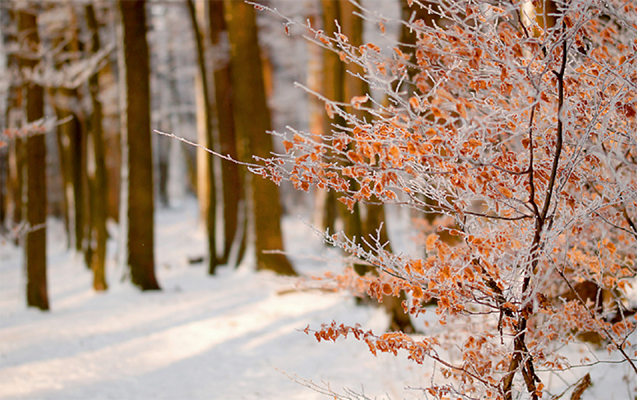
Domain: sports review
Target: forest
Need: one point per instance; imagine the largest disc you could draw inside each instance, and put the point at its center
(196, 194)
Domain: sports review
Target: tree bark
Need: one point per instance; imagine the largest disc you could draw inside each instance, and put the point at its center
(4, 183)
(35, 246)
(14, 118)
(15, 159)
(96, 169)
(332, 89)
(230, 172)
(252, 120)
(205, 174)
(137, 134)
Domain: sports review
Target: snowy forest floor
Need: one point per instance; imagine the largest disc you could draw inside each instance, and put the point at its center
(234, 335)
(228, 336)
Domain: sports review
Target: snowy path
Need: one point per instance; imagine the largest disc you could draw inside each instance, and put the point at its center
(223, 337)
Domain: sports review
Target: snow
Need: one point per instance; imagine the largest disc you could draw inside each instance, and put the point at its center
(231, 336)
(235, 335)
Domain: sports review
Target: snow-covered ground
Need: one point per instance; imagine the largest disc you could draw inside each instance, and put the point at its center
(231, 336)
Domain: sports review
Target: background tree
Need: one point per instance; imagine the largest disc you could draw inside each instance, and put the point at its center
(13, 120)
(35, 246)
(205, 171)
(252, 121)
(71, 131)
(344, 82)
(96, 168)
(135, 128)
(233, 193)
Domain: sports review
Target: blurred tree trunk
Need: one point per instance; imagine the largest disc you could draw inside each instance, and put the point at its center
(64, 155)
(71, 144)
(71, 135)
(96, 168)
(408, 36)
(35, 247)
(333, 70)
(4, 192)
(544, 12)
(4, 149)
(231, 174)
(17, 150)
(316, 122)
(335, 81)
(365, 225)
(14, 118)
(15, 178)
(205, 171)
(178, 174)
(136, 135)
(252, 121)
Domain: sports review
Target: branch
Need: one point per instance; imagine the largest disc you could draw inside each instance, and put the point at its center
(560, 132)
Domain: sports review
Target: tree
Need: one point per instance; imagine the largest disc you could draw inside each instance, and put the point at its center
(35, 246)
(13, 119)
(524, 133)
(252, 121)
(135, 128)
(205, 172)
(96, 169)
(233, 194)
(343, 82)
(71, 132)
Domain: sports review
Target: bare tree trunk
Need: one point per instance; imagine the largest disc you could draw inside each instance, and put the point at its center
(35, 247)
(16, 155)
(71, 141)
(333, 71)
(366, 226)
(16, 178)
(14, 118)
(4, 192)
(252, 120)
(136, 132)
(96, 169)
(205, 174)
(408, 36)
(231, 173)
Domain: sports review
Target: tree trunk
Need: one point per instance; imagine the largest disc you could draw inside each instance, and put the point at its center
(35, 247)
(230, 172)
(96, 168)
(136, 133)
(252, 120)
(4, 192)
(366, 228)
(408, 36)
(333, 70)
(71, 142)
(13, 118)
(15, 154)
(205, 173)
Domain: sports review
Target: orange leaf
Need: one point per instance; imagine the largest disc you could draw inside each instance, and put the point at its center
(505, 191)
(357, 101)
(431, 241)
